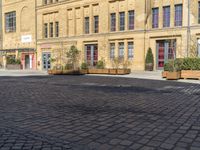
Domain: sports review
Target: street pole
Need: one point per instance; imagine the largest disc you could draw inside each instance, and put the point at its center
(188, 30)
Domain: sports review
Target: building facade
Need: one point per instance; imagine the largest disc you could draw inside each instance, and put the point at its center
(101, 30)
(19, 32)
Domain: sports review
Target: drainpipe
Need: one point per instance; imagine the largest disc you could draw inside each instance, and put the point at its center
(188, 30)
(36, 67)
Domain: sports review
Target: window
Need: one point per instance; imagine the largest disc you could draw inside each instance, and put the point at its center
(122, 21)
(96, 24)
(57, 29)
(10, 19)
(166, 16)
(45, 30)
(87, 25)
(131, 16)
(45, 2)
(199, 14)
(121, 49)
(113, 22)
(155, 17)
(51, 29)
(178, 15)
(130, 50)
(112, 50)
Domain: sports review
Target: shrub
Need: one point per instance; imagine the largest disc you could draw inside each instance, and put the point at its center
(100, 64)
(84, 66)
(73, 56)
(149, 61)
(13, 61)
(191, 64)
(17, 61)
(173, 65)
(149, 57)
(68, 67)
(166, 67)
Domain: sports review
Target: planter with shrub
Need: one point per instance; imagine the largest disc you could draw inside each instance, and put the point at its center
(99, 68)
(84, 68)
(13, 64)
(190, 68)
(173, 70)
(149, 61)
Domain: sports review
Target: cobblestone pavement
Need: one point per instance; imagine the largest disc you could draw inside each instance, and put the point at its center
(88, 112)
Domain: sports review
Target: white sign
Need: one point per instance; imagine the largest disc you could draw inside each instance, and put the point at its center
(26, 38)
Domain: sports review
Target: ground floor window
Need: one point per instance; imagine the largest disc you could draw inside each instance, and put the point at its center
(121, 49)
(130, 50)
(112, 50)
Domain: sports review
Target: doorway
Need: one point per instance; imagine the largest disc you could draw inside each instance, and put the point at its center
(27, 62)
(91, 54)
(46, 61)
(166, 50)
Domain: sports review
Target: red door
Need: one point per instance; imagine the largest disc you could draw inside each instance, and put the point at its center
(91, 54)
(161, 54)
(166, 50)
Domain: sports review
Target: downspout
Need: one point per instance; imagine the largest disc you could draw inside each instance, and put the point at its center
(145, 23)
(188, 30)
(36, 34)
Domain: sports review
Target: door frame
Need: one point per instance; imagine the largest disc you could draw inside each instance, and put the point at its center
(92, 49)
(166, 51)
(46, 62)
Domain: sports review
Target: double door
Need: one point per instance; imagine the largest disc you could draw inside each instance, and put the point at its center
(166, 50)
(46, 61)
(91, 52)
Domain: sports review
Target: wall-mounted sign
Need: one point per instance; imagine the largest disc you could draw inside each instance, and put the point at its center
(26, 38)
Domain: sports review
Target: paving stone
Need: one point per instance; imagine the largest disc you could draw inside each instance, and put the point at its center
(90, 112)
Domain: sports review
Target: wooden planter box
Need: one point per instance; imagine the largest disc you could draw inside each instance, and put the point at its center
(113, 71)
(173, 75)
(98, 71)
(13, 67)
(50, 72)
(123, 71)
(164, 74)
(56, 72)
(71, 72)
(84, 71)
(190, 74)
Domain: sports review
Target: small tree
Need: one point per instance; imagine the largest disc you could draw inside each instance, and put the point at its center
(149, 61)
(73, 56)
(117, 62)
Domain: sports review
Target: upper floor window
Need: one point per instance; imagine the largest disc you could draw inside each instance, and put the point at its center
(45, 2)
(155, 17)
(122, 21)
(113, 22)
(199, 13)
(57, 29)
(87, 25)
(96, 24)
(51, 29)
(121, 49)
(166, 16)
(178, 15)
(10, 21)
(45, 30)
(131, 18)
